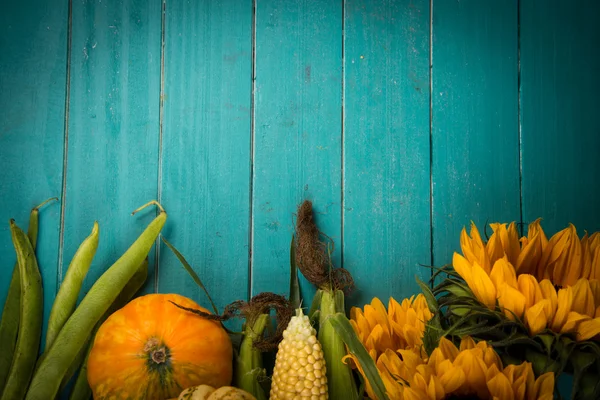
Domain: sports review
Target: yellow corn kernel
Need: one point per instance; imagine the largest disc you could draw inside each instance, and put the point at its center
(300, 370)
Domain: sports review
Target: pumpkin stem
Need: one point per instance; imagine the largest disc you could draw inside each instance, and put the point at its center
(159, 356)
(156, 351)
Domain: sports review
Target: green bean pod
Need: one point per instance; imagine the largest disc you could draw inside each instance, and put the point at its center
(81, 389)
(66, 298)
(9, 325)
(74, 334)
(30, 317)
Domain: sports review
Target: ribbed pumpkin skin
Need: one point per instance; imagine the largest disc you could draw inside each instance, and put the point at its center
(120, 365)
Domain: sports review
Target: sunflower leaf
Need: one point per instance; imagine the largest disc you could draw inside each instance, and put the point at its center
(431, 301)
(342, 326)
(581, 362)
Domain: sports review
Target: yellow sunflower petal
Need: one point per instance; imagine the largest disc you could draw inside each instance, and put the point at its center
(393, 388)
(536, 318)
(447, 349)
(410, 359)
(474, 370)
(467, 343)
(376, 313)
(472, 246)
(519, 386)
(512, 302)
(594, 241)
(595, 287)
(483, 288)
(549, 293)
(510, 240)
(534, 229)
(573, 321)
(565, 301)
(595, 258)
(588, 329)
(451, 377)
(479, 282)
(503, 272)
(554, 253)
(573, 265)
(544, 386)
(586, 257)
(583, 298)
(435, 390)
(530, 256)
(500, 387)
(412, 394)
(494, 251)
(530, 288)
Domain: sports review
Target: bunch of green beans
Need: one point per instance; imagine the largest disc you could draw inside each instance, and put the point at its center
(71, 327)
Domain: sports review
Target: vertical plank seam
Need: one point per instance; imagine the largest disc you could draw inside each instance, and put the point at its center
(343, 136)
(252, 153)
(519, 117)
(431, 229)
(161, 107)
(61, 238)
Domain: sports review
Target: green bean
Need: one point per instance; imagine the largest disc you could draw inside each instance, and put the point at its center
(66, 298)
(73, 336)
(30, 317)
(9, 325)
(81, 388)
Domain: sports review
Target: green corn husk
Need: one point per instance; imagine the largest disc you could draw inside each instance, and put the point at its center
(339, 374)
(342, 327)
(249, 371)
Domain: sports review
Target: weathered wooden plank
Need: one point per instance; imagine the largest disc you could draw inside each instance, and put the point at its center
(297, 136)
(112, 159)
(475, 136)
(206, 152)
(559, 113)
(33, 61)
(386, 148)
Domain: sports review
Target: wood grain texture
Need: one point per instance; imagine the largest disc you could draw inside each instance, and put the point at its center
(560, 126)
(386, 147)
(33, 61)
(206, 147)
(475, 137)
(297, 137)
(113, 137)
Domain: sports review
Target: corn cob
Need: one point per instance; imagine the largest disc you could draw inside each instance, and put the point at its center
(300, 370)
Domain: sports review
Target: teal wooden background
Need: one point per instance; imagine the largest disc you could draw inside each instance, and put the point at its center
(402, 120)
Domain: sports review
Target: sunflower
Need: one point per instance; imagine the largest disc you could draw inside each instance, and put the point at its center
(544, 283)
(563, 259)
(383, 332)
(472, 371)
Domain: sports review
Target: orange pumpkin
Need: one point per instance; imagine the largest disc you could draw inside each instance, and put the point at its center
(151, 349)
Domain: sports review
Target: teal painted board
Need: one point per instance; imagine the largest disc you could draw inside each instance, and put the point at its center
(297, 132)
(113, 136)
(475, 135)
(33, 44)
(560, 128)
(206, 147)
(386, 147)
